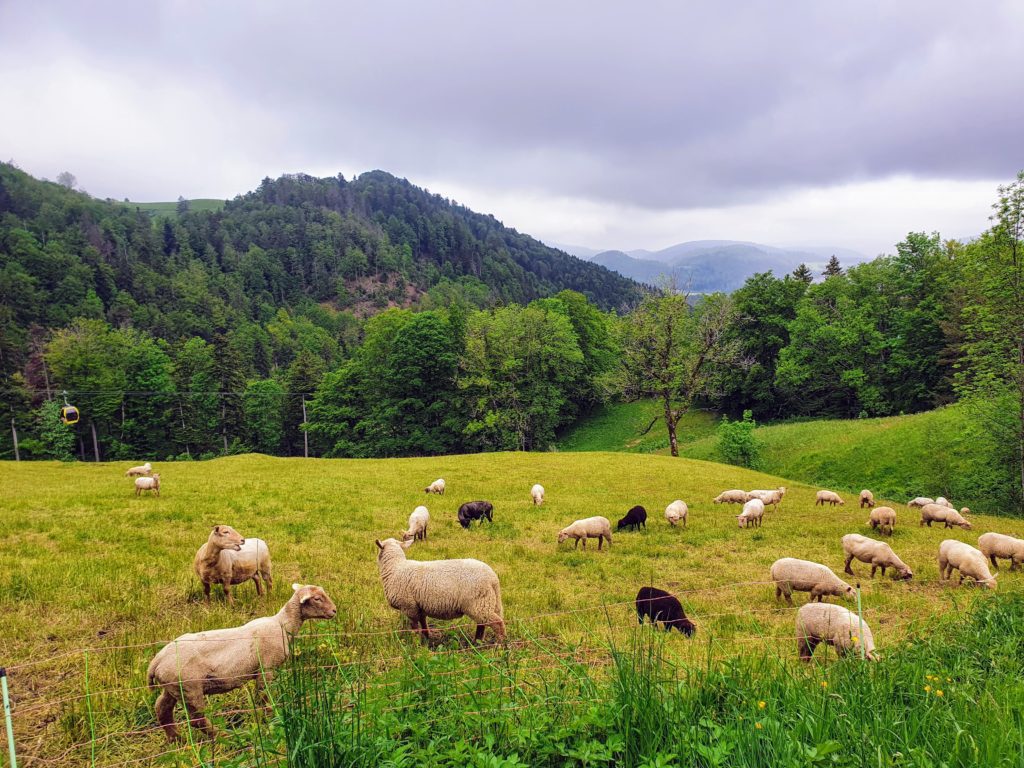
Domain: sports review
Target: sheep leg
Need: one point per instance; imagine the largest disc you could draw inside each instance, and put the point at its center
(197, 718)
(600, 541)
(268, 580)
(848, 569)
(805, 647)
(227, 592)
(874, 568)
(206, 591)
(995, 565)
(165, 704)
(1014, 564)
(421, 618)
(259, 585)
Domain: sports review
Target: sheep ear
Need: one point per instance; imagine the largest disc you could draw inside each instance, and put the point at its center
(379, 545)
(216, 529)
(296, 587)
(304, 598)
(406, 544)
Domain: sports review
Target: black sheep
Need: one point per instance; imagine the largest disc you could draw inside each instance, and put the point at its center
(636, 517)
(658, 605)
(475, 510)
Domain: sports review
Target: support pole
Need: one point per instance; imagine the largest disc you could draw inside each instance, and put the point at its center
(305, 434)
(7, 718)
(14, 434)
(860, 613)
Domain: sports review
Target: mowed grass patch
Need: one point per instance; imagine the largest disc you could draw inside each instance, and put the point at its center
(620, 427)
(170, 208)
(85, 564)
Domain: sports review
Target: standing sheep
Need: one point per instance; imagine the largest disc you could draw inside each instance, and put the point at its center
(833, 625)
(877, 553)
(658, 605)
(677, 511)
(220, 660)
(752, 514)
(734, 496)
(828, 497)
(994, 545)
(148, 484)
(145, 469)
(867, 499)
(476, 510)
(588, 528)
(228, 559)
(636, 517)
(943, 501)
(969, 561)
(537, 494)
(920, 501)
(773, 497)
(436, 487)
(883, 519)
(418, 521)
(937, 513)
(440, 589)
(790, 574)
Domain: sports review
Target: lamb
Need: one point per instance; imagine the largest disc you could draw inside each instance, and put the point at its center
(228, 559)
(588, 528)
(833, 625)
(944, 502)
(790, 574)
(877, 553)
(145, 469)
(220, 660)
(734, 496)
(440, 589)
(768, 497)
(677, 511)
(936, 513)
(920, 501)
(476, 510)
(417, 524)
(867, 499)
(658, 605)
(883, 519)
(436, 487)
(148, 484)
(537, 494)
(994, 545)
(636, 517)
(752, 514)
(828, 497)
(966, 559)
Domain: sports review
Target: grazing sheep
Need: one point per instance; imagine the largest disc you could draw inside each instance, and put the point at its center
(228, 559)
(943, 501)
(752, 514)
(417, 524)
(677, 511)
(936, 513)
(966, 559)
(636, 517)
(734, 496)
(833, 625)
(790, 574)
(588, 528)
(440, 589)
(148, 484)
(145, 469)
(883, 519)
(476, 510)
(877, 553)
(920, 501)
(768, 497)
(994, 545)
(658, 605)
(867, 499)
(828, 497)
(537, 494)
(436, 487)
(220, 660)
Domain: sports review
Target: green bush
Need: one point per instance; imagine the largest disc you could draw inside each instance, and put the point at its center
(737, 443)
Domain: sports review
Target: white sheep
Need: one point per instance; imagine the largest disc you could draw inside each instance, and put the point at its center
(883, 519)
(220, 660)
(994, 545)
(877, 554)
(790, 574)
(773, 497)
(677, 511)
(833, 625)
(943, 501)
(418, 521)
(920, 501)
(588, 528)
(436, 487)
(537, 494)
(145, 469)
(734, 496)
(440, 589)
(828, 497)
(228, 559)
(148, 484)
(752, 514)
(867, 499)
(937, 513)
(969, 561)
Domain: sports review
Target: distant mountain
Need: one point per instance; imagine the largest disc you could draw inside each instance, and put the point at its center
(717, 265)
(579, 251)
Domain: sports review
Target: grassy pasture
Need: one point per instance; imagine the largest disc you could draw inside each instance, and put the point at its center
(170, 208)
(84, 564)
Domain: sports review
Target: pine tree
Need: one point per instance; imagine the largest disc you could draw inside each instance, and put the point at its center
(832, 269)
(804, 275)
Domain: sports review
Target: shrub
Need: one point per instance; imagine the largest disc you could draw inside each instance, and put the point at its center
(737, 443)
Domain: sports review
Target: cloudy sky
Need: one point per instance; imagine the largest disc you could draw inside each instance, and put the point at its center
(603, 124)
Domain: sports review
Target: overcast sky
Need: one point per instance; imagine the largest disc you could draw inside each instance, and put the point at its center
(610, 125)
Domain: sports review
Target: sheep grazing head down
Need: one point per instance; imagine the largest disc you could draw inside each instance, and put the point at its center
(314, 602)
(226, 537)
(562, 536)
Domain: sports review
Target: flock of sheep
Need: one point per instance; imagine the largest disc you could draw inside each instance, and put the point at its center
(195, 665)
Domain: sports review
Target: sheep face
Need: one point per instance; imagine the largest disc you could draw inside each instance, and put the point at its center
(562, 536)
(390, 544)
(742, 520)
(904, 573)
(226, 537)
(314, 602)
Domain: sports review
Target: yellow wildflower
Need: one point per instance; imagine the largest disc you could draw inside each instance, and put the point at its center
(761, 705)
(927, 688)
(939, 693)
(758, 726)
(824, 683)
